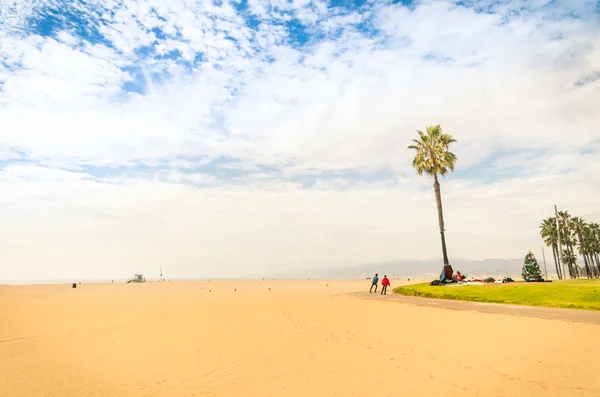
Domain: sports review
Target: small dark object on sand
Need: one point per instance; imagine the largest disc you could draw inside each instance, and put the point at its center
(435, 282)
(489, 280)
(74, 285)
(235, 289)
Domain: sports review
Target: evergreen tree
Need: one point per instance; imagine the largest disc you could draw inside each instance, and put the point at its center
(531, 269)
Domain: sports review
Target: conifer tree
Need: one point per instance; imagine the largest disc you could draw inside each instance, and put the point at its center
(531, 269)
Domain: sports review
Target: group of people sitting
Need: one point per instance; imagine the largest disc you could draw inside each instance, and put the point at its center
(458, 276)
(385, 282)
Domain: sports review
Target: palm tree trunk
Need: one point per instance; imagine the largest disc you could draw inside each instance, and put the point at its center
(561, 265)
(593, 269)
(556, 263)
(438, 200)
(573, 271)
(565, 241)
(591, 263)
(588, 272)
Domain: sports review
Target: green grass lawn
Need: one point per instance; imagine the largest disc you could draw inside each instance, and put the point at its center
(572, 294)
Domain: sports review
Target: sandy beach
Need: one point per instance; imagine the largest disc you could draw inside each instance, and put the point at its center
(277, 338)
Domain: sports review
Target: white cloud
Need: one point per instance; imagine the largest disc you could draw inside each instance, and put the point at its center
(350, 101)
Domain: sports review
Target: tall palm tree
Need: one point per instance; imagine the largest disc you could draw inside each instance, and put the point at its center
(588, 249)
(550, 236)
(578, 225)
(594, 231)
(566, 236)
(433, 157)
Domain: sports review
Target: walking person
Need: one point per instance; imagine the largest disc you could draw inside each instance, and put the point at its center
(384, 284)
(374, 284)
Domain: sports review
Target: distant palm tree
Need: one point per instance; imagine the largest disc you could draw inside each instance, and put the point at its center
(578, 225)
(550, 235)
(433, 157)
(588, 249)
(566, 235)
(571, 260)
(573, 232)
(594, 241)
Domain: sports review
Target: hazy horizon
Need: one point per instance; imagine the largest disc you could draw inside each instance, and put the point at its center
(246, 137)
(396, 268)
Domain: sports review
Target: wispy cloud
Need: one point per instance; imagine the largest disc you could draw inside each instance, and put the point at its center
(236, 117)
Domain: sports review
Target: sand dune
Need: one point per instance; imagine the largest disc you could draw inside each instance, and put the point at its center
(301, 338)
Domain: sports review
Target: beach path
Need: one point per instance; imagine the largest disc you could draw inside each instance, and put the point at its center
(571, 315)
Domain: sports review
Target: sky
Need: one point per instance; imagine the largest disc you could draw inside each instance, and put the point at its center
(234, 138)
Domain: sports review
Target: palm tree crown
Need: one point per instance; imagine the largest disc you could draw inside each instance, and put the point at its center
(548, 231)
(432, 152)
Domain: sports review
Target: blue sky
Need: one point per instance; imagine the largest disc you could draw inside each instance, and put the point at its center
(267, 120)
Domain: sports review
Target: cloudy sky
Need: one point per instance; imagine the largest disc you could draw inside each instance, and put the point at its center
(219, 138)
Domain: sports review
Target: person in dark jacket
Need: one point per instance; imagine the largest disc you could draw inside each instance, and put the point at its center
(374, 284)
(384, 284)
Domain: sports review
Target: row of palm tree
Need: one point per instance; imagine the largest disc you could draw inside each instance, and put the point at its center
(575, 234)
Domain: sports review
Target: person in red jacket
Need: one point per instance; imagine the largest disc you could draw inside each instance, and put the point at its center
(384, 284)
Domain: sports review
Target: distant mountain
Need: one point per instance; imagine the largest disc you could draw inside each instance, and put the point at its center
(405, 268)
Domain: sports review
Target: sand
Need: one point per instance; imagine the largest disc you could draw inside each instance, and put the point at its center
(301, 338)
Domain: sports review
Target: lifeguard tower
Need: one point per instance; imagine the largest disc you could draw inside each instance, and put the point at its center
(137, 278)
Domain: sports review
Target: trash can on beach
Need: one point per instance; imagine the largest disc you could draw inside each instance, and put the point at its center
(74, 285)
